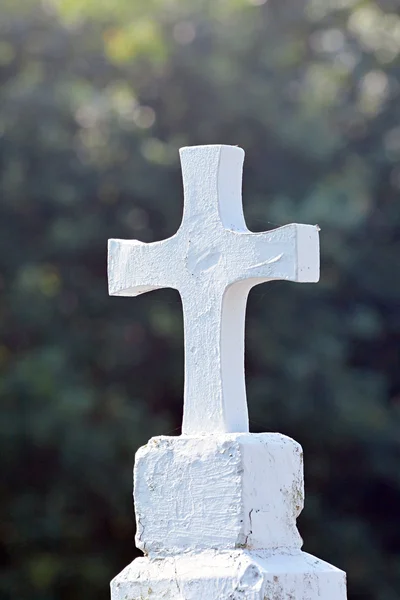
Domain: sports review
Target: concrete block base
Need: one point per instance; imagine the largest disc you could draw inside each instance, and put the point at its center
(230, 575)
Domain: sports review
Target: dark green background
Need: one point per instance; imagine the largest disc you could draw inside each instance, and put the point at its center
(95, 101)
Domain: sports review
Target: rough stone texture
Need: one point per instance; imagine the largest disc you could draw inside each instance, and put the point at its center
(223, 491)
(230, 575)
(216, 517)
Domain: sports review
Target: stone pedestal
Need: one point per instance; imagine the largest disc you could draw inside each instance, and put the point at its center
(216, 519)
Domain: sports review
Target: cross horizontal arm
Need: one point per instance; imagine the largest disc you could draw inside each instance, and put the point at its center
(136, 267)
(290, 253)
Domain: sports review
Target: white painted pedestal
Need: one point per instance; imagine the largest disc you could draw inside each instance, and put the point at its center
(216, 519)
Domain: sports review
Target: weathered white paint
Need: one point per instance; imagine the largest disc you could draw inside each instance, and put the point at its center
(216, 508)
(214, 261)
(230, 575)
(216, 518)
(183, 486)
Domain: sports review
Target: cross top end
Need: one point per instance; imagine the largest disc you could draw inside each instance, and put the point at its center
(212, 183)
(217, 148)
(213, 261)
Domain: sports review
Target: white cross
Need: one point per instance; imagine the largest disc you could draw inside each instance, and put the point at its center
(213, 261)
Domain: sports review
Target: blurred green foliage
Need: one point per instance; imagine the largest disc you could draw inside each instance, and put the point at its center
(96, 98)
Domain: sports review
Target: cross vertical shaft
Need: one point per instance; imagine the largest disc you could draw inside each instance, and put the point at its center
(215, 392)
